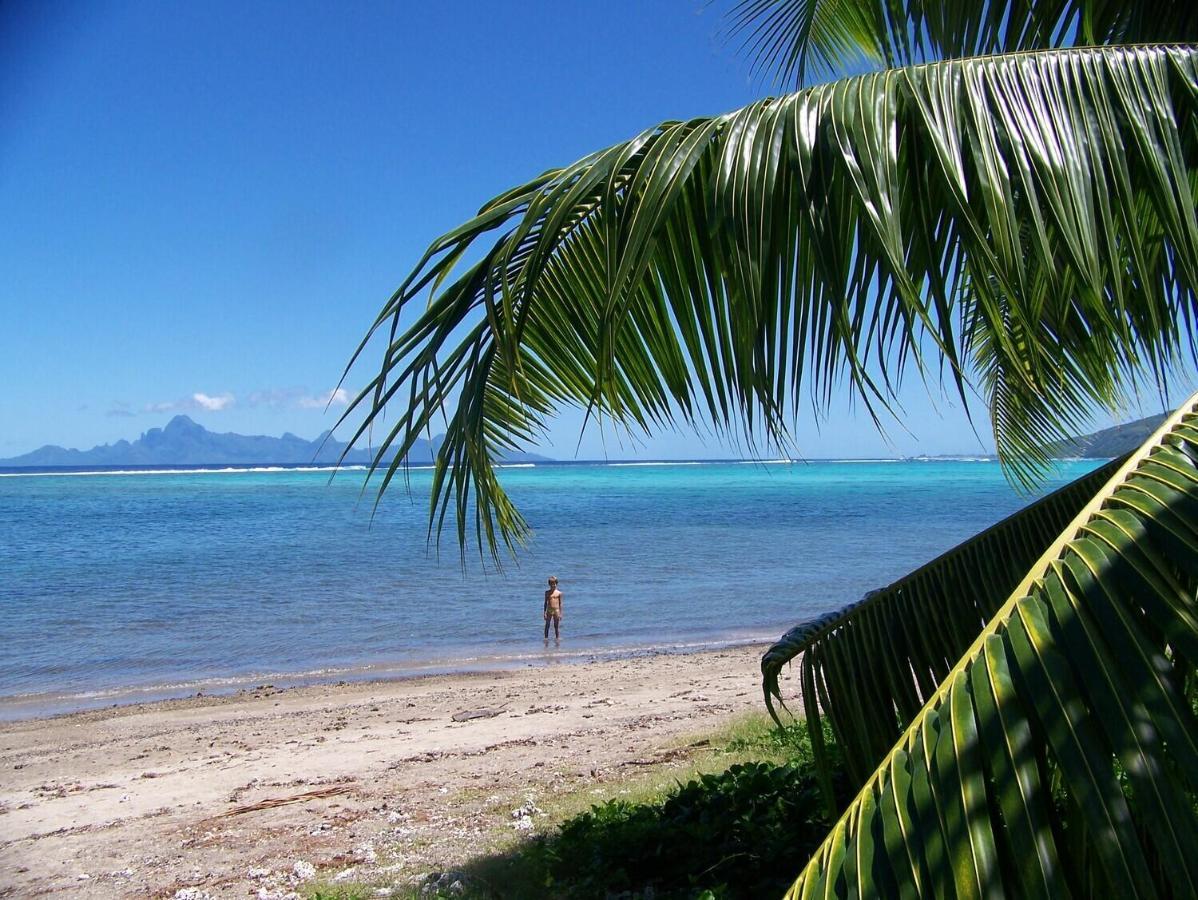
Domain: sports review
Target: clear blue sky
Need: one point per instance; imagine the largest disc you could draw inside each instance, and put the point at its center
(204, 205)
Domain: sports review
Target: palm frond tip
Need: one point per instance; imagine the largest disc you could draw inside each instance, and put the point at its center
(1060, 754)
(790, 38)
(870, 667)
(1030, 219)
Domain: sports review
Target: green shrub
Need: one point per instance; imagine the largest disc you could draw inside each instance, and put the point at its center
(744, 832)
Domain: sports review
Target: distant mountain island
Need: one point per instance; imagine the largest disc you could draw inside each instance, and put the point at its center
(1107, 444)
(1112, 442)
(184, 442)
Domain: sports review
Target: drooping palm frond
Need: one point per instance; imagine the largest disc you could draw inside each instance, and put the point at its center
(1061, 752)
(870, 668)
(1030, 216)
(792, 37)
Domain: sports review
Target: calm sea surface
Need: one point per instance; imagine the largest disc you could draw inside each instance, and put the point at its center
(121, 587)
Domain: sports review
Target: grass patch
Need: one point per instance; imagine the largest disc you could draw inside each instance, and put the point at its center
(752, 737)
(740, 821)
(340, 892)
(755, 735)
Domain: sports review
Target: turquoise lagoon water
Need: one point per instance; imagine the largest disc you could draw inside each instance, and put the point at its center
(122, 587)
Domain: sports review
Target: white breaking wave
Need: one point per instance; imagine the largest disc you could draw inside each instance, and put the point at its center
(225, 471)
(693, 462)
(952, 459)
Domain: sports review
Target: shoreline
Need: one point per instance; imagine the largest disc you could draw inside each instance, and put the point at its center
(250, 468)
(34, 706)
(261, 792)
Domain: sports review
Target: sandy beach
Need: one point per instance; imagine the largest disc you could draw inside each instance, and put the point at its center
(258, 793)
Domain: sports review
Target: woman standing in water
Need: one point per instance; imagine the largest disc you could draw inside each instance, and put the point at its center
(553, 609)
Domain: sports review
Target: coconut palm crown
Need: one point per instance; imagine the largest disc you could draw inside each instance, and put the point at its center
(1007, 208)
(1021, 227)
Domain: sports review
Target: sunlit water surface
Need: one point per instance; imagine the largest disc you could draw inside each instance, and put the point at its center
(121, 587)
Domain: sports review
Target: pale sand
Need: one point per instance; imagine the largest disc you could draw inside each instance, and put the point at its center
(133, 802)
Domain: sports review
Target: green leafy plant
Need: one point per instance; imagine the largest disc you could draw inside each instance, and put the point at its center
(731, 833)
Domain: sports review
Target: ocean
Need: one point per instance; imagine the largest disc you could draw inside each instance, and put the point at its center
(118, 587)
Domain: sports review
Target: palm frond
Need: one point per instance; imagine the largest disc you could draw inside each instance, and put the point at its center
(1028, 220)
(790, 38)
(1060, 753)
(870, 667)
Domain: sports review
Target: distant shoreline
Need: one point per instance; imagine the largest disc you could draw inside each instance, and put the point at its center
(263, 468)
(184, 439)
(51, 705)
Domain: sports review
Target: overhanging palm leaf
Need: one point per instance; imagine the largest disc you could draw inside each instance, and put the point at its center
(789, 37)
(1062, 747)
(870, 667)
(995, 214)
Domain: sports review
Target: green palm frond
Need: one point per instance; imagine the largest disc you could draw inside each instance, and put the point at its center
(1060, 754)
(870, 668)
(791, 37)
(1028, 221)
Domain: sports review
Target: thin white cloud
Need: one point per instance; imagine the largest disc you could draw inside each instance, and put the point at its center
(270, 398)
(275, 398)
(297, 398)
(197, 401)
(120, 410)
(335, 397)
(213, 404)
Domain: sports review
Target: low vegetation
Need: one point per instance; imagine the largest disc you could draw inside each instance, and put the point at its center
(737, 824)
(739, 833)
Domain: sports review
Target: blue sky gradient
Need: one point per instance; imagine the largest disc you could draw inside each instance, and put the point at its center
(204, 205)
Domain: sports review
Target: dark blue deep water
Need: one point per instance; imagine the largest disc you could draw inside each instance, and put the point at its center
(118, 587)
